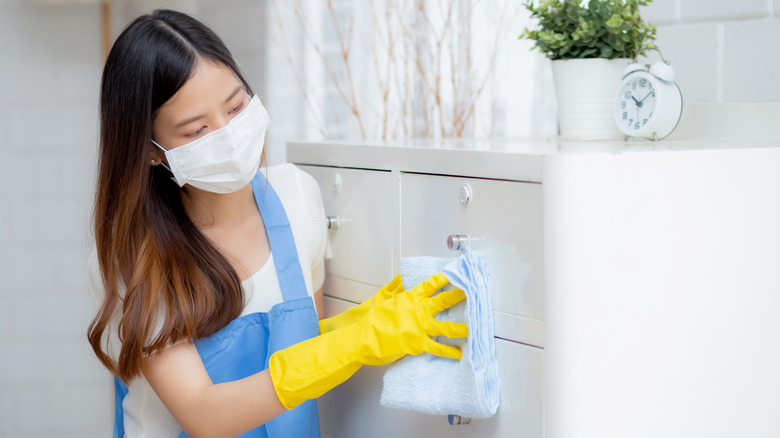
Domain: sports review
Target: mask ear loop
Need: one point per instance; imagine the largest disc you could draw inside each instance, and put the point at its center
(173, 176)
(161, 161)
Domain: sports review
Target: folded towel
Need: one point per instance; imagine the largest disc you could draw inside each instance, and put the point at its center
(441, 386)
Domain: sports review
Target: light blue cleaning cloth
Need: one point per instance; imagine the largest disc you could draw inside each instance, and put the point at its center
(441, 386)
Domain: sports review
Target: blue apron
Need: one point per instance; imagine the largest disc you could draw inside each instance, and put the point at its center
(243, 347)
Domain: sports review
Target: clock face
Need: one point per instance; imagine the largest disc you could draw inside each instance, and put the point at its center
(635, 104)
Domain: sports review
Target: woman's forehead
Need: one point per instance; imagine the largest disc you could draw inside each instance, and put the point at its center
(207, 87)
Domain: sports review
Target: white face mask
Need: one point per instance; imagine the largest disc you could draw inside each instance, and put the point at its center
(225, 160)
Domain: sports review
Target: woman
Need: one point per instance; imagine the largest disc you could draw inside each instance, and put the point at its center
(207, 269)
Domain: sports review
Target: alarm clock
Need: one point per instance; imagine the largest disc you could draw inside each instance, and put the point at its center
(648, 103)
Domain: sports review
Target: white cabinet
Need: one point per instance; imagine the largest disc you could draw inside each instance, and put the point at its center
(635, 285)
(361, 242)
(503, 220)
(661, 293)
(353, 409)
(386, 213)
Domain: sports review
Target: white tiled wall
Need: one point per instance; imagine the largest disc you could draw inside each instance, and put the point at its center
(723, 51)
(50, 61)
(752, 65)
(54, 413)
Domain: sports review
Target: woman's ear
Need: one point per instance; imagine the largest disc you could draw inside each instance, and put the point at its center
(157, 156)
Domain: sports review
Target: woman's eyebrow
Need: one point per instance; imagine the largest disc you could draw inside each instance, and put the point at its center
(192, 119)
(233, 93)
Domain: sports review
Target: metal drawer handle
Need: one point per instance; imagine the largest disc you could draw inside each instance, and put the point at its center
(456, 420)
(333, 221)
(458, 241)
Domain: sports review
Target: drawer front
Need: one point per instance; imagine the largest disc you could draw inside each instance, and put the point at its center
(352, 410)
(504, 222)
(361, 247)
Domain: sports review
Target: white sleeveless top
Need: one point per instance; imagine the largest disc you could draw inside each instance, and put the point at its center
(145, 415)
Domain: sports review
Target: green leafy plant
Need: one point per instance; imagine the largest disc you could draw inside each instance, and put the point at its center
(571, 29)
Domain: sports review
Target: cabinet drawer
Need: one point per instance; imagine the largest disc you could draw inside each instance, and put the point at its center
(361, 247)
(504, 222)
(352, 410)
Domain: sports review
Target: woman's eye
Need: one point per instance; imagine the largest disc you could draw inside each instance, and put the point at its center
(197, 133)
(237, 108)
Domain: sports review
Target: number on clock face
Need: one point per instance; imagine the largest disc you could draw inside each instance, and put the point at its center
(637, 103)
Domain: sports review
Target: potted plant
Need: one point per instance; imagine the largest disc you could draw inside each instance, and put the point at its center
(590, 43)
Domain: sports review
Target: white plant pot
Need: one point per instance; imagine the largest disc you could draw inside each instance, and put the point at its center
(585, 91)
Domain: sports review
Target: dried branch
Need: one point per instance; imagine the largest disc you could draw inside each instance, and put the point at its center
(437, 57)
(388, 67)
(285, 49)
(408, 56)
(497, 43)
(352, 102)
(326, 64)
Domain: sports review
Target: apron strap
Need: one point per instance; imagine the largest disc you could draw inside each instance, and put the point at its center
(280, 237)
(120, 391)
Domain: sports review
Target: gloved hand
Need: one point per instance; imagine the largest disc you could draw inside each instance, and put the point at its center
(395, 327)
(356, 313)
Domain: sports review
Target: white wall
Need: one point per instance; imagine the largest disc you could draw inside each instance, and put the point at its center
(50, 60)
(723, 51)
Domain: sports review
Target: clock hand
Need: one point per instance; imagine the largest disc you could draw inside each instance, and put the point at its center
(643, 99)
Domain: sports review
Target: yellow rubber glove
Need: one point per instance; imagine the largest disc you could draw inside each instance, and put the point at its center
(391, 329)
(354, 314)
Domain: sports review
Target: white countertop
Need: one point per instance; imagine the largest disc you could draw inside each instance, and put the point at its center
(520, 159)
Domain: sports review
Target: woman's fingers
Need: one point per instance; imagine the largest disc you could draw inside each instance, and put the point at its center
(431, 285)
(395, 287)
(442, 350)
(394, 283)
(445, 300)
(434, 327)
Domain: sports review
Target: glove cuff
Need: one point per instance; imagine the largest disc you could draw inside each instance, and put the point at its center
(311, 368)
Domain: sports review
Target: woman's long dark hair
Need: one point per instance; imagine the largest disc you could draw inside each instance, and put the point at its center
(177, 284)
